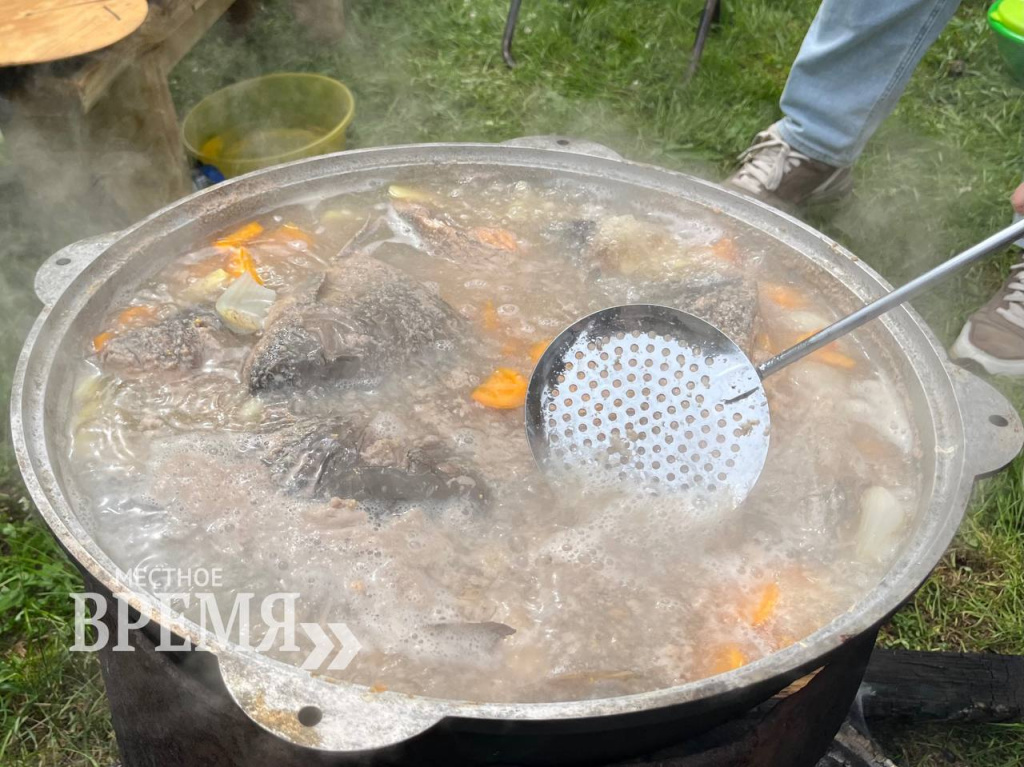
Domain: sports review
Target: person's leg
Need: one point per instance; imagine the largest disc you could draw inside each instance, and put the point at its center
(993, 336)
(851, 70)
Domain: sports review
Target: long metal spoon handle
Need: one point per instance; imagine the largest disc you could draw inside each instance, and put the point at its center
(891, 300)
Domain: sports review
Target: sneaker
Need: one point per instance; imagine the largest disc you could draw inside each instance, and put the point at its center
(773, 171)
(993, 336)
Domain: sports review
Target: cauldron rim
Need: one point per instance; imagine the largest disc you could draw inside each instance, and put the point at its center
(965, 444)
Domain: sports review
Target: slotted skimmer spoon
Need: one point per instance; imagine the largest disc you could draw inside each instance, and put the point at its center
(651, 399)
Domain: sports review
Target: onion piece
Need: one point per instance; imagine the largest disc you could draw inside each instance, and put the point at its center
(407, 193)
(881, 516)
(205, 288)
(244, 305)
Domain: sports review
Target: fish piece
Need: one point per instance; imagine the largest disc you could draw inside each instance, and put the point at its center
(639, 261)
(464, 643)
(345, 457)
(443, 238)
(355, 322)
(876, 404)
(177, 343)
(626, 245)
(343, 229)
(461, 637)
(730, 304)
(574, 236)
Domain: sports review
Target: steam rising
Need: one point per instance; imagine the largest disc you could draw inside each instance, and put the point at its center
(19, 250)
(436, 75)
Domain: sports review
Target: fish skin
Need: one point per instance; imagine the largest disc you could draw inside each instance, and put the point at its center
(356, 321)
(617, 253)
(444, 238)
(341, 457)
(176, 343)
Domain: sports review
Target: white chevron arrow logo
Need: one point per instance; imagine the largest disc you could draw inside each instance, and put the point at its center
(323, 644)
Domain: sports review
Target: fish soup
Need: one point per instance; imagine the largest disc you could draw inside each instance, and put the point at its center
(328, 400)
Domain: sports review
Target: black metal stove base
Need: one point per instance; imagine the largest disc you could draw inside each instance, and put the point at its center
(171, 708)
(807, 728)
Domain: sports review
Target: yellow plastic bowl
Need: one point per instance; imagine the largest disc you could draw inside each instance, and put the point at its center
(268, 120)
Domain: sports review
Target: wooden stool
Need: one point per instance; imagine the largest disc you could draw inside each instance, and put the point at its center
(34, 31)
(96, 133)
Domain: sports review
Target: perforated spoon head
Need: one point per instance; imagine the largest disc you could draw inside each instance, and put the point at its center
(650, 400)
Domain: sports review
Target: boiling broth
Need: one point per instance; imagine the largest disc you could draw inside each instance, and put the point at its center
(494, 585)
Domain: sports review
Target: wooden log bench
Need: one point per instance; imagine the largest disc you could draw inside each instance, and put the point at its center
(898, 686)
(944, 686)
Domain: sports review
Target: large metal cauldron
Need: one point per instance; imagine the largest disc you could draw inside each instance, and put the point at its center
(966, 429)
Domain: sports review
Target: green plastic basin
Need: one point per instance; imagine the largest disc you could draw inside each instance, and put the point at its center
(1006, 17)
(268, 120)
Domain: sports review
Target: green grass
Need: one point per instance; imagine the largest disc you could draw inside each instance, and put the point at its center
(943, 745)
(52, 707)
(933, 180)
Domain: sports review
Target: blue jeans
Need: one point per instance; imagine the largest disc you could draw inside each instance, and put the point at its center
(852, 68)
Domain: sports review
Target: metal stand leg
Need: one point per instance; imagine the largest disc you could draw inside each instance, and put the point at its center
(510, 32)
(710, 15)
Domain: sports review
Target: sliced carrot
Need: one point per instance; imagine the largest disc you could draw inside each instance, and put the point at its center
(502, 239)
(100, 342)
(783, 295)
(830, 355)
(241, 236)
(489, 317)
(505, 389)
(136, 315)
(538, 349)
(241, 263)
(835, 359)
(379, 687)
(727, 658)
(766, 605)
(725, 250)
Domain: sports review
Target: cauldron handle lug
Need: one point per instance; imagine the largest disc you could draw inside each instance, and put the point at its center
(993, 434)
(565, 144)
(60, 269)
(312, 710)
